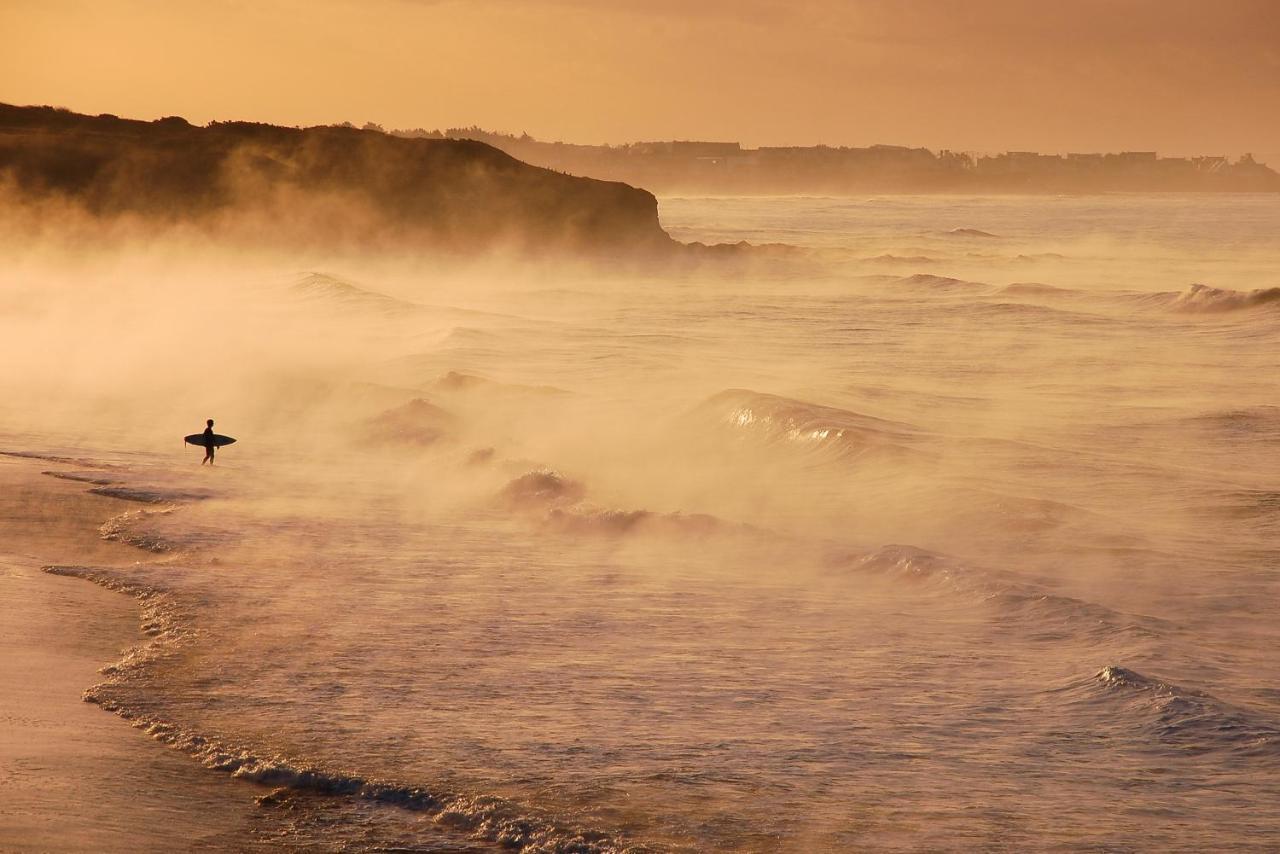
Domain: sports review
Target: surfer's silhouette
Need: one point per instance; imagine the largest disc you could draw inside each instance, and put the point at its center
(208, 440)
(209, 446)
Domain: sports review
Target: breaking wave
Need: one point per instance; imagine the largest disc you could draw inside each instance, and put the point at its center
(797, 424)
(1192, 721)
(124, 529)
(1208, 300)
(560, 503)
(542, 489)
(169, 625)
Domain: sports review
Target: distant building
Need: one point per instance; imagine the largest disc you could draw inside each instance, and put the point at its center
(727, 167)
(1137, 157)
(682, 148)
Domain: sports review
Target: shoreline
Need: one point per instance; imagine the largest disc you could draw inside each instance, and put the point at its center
(74, 778)
(74, 774)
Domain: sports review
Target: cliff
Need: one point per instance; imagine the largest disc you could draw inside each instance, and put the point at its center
(319, 184)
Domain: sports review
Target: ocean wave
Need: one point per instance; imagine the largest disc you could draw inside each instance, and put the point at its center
(542, 489)
(1051, 617)
(323, 290)
(1259, 505)
(130, 527)
(124, 529)
(1028, 311)
(901, 259)
(929, 282)
(164, 620)
(969, 232)
(1250, 422)
(331, 290)
(788, 422)
(1193, 721)
(170, 626)
(418, 423)
(1203, 299)
(464, 337)
(908, 563)
(600, 520)
(560, 503)
(743, 249)
(467, 384)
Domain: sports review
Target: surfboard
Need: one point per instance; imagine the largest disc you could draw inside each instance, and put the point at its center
(218, 440)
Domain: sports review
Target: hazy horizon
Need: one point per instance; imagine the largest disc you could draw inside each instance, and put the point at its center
(987, 76)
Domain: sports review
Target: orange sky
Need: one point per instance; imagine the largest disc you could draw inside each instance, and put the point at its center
(1051, 75)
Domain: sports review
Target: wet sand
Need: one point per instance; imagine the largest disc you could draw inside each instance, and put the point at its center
(73, 777)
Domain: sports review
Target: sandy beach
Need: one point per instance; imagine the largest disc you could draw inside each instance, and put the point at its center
(73, 777)
(77, 778)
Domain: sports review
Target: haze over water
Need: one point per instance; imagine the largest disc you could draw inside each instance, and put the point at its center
(956, 528)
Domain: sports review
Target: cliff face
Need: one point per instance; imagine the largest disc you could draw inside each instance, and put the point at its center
(324, 183)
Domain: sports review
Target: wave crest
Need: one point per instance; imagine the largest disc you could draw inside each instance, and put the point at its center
(541, 489)
(1206, 299)
(784, 421)
(1192, 721)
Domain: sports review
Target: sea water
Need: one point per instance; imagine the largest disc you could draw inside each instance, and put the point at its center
(932, 523)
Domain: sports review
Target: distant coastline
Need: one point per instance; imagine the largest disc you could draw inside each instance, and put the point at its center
(728, 168)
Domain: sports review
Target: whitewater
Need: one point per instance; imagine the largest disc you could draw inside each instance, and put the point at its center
(925, 523)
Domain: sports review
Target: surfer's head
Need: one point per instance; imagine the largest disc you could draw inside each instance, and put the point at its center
(209, 422)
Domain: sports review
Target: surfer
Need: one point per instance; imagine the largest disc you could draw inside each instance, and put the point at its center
(208, 440)
(209, 446)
